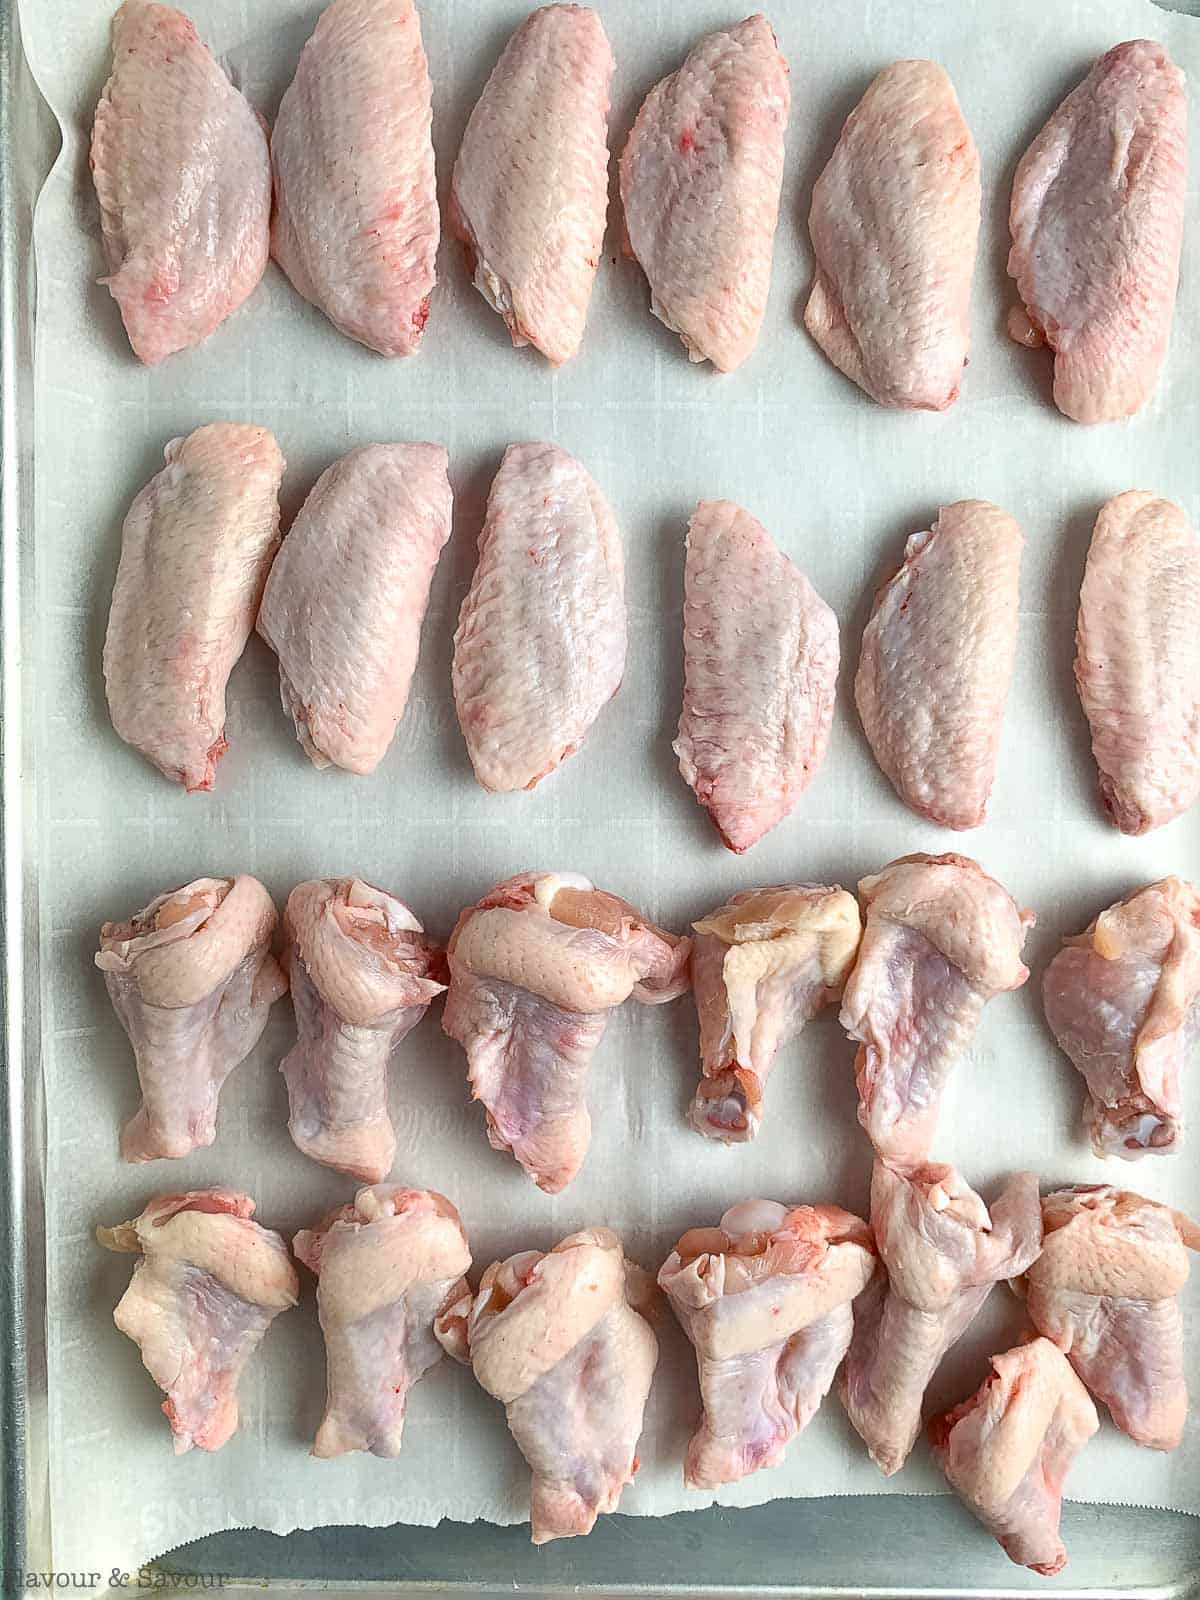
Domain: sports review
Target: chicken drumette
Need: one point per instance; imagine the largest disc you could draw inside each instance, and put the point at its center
(765, 1299)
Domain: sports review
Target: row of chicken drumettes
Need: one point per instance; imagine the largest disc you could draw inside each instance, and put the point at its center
(775, 1299)
(894, 221)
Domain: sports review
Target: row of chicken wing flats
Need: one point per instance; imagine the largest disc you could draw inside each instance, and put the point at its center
(195, 196)
(775, 1299)
(540, 645)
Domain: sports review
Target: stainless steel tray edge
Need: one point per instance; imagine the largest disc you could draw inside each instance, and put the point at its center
(893, 1547)
(27, 144)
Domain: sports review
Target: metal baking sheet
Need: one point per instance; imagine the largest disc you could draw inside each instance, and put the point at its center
(846, 1545)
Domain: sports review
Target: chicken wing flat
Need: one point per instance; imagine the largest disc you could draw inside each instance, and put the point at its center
(1097, 230)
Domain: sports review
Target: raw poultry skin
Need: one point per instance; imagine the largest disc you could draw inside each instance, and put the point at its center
(1137, 659)
(941, 939)
(356, 223)
(895, 225)
(362, 975)
(1105, 1291)
(765, 1299)
(700, 179)
(763, 965)
(540, 646)
(387, 1266)
(1007, 1449)
(535, 969)
(346, 598)
(196, 548)
(937, 659)
(1123, 1001)
(561, 1340)
(530, 187)
(208, 1284)
(760, 662)
(941, 1252)
(192, 979)
(183, 177)
(1097, 229)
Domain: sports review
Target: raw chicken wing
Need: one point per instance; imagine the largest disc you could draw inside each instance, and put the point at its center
(347, 630)
(1123, 1001)
(362, 977)
(196, 548)
(937, 659)
(1104, 1290)
(182, 174)
(760, 661)
(700, 180)
(208, 1284)
(942, 1252)
(1097, 228)
(1137, 659)
(356, 220)
(561, 1340)
(530, 186)
(941, 939)
(387, 1266)
(895, 224)
(535, 969)
(191, 979)
(763, 965)
(1007, 1449)
(540, 646)
(765, 1299)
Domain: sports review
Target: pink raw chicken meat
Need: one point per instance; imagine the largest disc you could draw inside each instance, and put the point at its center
(1097, 229)
(362, 975)
(1007, 1449)
(208, 1284)
(347, 632)
(530, 187)
(765, 1299)
(540, 646)
(1123, 1001)
(182, 174)
(1105, 1291)
(387, 1266)
(895, 224)
(561, 1340)
(941, 1252)
(196, 548)
(192, 980)
(356, 223)
(700, 180)
(937, 659)
(1137, 659)
(535, 969)
(941, 940)
(760, 661)
(763, 965)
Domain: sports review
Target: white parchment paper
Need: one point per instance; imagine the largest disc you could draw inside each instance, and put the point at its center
(838, 481)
